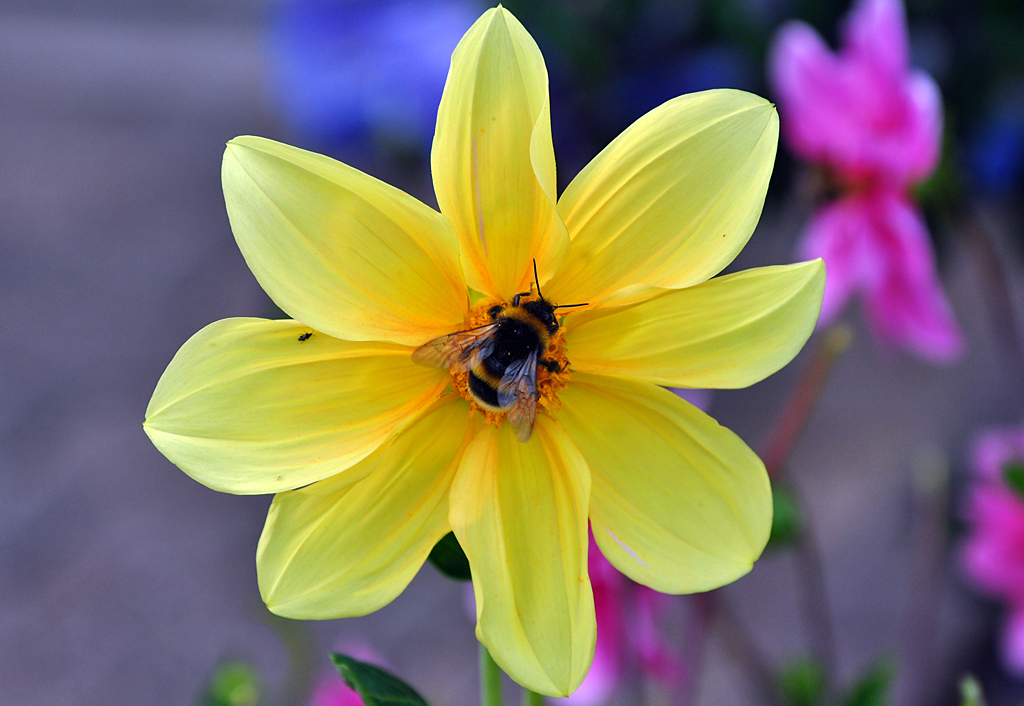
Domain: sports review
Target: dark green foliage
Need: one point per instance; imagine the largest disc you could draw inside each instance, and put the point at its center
(802, 683)
(785, 518)
(375, 686)
(1013, 474)
(872, 689)
(448, 558)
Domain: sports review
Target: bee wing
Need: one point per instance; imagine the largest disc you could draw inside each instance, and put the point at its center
(460, 350)
(518, 391)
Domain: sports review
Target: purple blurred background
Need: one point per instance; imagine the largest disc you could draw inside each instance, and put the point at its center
(123, 581)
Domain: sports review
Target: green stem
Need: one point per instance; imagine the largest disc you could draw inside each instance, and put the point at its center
(490, 679)
(531, 698)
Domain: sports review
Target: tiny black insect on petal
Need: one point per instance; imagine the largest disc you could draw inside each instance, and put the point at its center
(305, 336)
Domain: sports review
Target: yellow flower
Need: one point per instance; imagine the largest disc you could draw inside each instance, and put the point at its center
(374, 458)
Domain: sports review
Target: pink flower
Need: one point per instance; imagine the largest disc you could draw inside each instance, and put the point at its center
(330, 690)
(993, 555)
(628, 615)
(627, 632)
(876, 242)
(877, 126)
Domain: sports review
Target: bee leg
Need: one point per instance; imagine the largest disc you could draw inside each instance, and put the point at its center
(494, 311)
(553, 366)
(516, 298)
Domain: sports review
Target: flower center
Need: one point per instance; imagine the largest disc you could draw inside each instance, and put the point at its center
(552, 374)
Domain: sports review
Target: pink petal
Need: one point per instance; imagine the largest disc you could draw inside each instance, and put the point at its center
(861, 112)
(1013, 641)
(628, 616)
(994, 449)
(901, 129)
(838, 233)
(905, 302)
(657, 657)
(993, 554)
(815, 96)
(924, 127)
(875, 32)
(877, 243)
(330, 690)
(601, 680)
(609, 603)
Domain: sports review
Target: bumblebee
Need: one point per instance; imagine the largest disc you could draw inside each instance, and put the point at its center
(502, 357)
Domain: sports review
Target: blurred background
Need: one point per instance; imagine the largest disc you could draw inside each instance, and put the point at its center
(123, 581)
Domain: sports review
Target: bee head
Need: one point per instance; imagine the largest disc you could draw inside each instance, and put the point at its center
(544, 312)
(541, 308)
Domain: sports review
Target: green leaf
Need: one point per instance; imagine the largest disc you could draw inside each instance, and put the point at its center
(970, 692)
(803, 683)
(1013, 474)
(233, 684)
(375, 686)
(448, 558)
(872, 689)
(786, 521)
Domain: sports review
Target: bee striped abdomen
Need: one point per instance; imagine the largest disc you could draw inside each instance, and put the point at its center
(490, 371)
(484, 393)
(485, 377)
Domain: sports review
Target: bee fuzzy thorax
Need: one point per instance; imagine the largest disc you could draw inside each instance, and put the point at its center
(527, 318)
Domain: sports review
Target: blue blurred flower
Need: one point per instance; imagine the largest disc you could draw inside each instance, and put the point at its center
(712, 66)
(346, 70)
(996, 157)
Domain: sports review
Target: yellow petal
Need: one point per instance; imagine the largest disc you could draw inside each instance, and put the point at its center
(678, 503)
(670, 202)
(728, 332)
(520, 512)
(336, 549)
(492, 159)
(339, 250)
(248, 407)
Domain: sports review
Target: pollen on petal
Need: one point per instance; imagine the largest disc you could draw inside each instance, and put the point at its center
(549, 383)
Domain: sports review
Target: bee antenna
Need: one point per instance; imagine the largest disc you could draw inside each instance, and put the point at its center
(537, 280)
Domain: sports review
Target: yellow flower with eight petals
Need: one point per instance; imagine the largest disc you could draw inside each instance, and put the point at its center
(374, 458)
